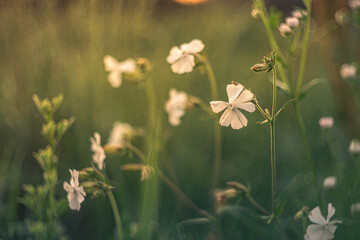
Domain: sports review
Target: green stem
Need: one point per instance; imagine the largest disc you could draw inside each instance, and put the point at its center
(256, 204)
(217, 127)
(273, 167)
(331, 149)
(115, 210)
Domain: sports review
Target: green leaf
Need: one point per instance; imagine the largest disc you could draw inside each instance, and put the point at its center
(195, 221)
(285, 105)
(62, 206)
(310, 85)
(274, 17)
(281, 198)
(281, 86)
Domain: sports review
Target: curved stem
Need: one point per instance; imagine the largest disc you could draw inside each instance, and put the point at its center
(256, 204)
(217, 127)
(117, 218)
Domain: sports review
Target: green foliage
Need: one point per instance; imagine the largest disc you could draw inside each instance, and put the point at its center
(275, 17)
(40, 199)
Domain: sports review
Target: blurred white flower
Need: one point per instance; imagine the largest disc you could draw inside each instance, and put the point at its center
(355, 208)
(292, 22)
(76, 194)
(329, 182)
(341, 16)
(326, 122)
(347, 71)
(255, 13)
(146, 172)
(284, 29)
(99, 154)
(121, 133)
(299, 13)
(354, 4)
(176, 105)
(354, 146)
(323, 229)
(182, 59)
(116, 69)
(239, 98)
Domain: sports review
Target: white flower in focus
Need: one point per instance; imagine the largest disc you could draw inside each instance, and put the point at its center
(329, 182)
(182, 59)
(347, 71)
(121, 133)
(99, 154)
(76, 194)
(354, 147)
(292, 22)
(355, 208)
(176, 105)
(239, 98)
(354, 4)
(326, 122)
(284, 29)
(116, 69)
(322, 229)
(146, 172)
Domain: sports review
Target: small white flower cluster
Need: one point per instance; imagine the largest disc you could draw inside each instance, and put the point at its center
(322, 229)
(326, 122)
(347, 71)
(291, 23)
(354, 4)
(76, 194)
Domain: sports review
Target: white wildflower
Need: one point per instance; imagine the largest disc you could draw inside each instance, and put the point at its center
(239, 98)
(348, 71)
(255, 13)
(355, 208)
(354, 146)
(99, 154)
(292, 22)
(121, 133)
(116, 69)
(146, 172)
(182, 59)
(284, 29)
(176, 105)
(354, 4)
(322, 229)
(76, 194)
(329, 182)
(326, 122)
(299, 13)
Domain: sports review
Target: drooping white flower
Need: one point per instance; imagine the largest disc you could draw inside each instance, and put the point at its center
(329, 182)
(99, 154)
(326, 122)
(292, 22)
(239, 98)
(355, 208)
(146, 172)
(347, 71)
(76, 194)
(322, 229)
(284, 29)
(116, 69)
(354, 147)
(354, 4)
(121, 133)
(176, 105)
(182, 58)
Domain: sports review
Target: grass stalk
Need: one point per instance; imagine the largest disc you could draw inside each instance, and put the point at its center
(119, 230)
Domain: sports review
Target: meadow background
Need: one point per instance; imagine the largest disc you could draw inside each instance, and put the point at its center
(53, 47)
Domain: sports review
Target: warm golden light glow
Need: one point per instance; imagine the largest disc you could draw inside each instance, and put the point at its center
(190, 2)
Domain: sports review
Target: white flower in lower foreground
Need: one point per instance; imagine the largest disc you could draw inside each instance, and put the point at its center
(99, 154)
(326, 122)
(322, 229)
(239, 98)
(121, 133)
(347, 71)
(76, 194)
(329, 182)
(176, 105)
(116, 69)
(182, 59)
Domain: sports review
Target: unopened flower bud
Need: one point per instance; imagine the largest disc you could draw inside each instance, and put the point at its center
(326, 122)
(292, 22)
(223, 195)
(301, 213)
(354, 147)
(132, 167)
(146, 172)
(267, 64)
(299, 13)
(237, 186)
(255, 13)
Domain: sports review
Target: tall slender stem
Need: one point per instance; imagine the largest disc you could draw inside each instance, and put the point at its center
(272, 141)
(119, 230)
(217, 127)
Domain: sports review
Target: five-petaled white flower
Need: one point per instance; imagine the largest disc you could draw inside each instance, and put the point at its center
(239, 98)
(76, 194)
(182, 59)
(116, 69)
(99, 154)
(322, 229)
(121, 133)
(176, 105)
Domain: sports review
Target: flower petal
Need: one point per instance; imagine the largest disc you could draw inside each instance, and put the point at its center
(174, 55)
(241, 117)
(235, 121)
(127, 66)
(248, 106)
(110, 63)
(245, 96)
(226, 118)
(183, 65)
(316, 217)
(67, 187)
(74, 181)
(115, 79)
(195, 46)
(331, 211)
(233, 91)
(315, 232)
(218, 106)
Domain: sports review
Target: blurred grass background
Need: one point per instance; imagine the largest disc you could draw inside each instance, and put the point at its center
(48, 48)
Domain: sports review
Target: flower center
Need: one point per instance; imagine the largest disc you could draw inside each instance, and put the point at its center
(231, 106)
